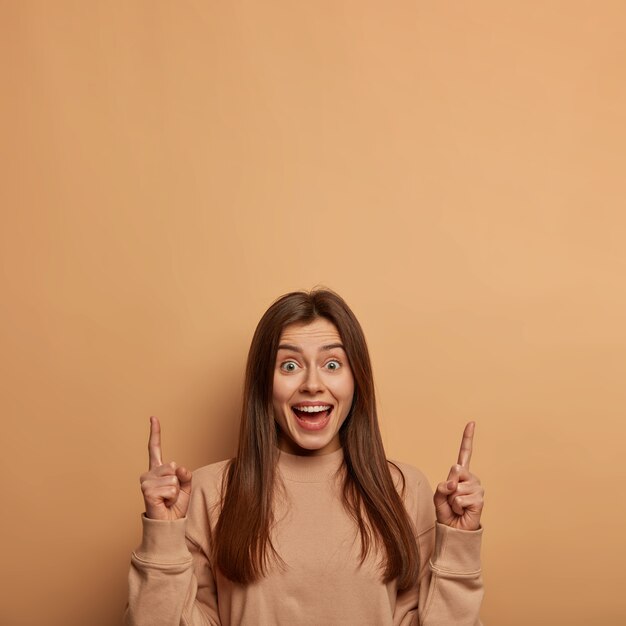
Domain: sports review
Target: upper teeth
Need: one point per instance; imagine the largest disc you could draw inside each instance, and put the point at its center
(313, 409)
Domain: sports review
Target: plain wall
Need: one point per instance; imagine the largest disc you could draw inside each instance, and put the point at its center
(454, 169)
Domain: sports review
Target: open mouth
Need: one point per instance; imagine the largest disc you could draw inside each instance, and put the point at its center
(313, 418)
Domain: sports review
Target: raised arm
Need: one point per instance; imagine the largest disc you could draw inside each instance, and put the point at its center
(449, 589)
(170, 580)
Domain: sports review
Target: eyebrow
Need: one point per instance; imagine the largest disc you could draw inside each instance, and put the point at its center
(330, 346)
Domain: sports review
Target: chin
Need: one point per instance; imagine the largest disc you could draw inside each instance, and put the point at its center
(312, 445)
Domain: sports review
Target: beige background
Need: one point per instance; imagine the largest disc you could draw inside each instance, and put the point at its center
(454, 169)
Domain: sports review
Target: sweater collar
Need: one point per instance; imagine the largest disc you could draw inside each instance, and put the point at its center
(311, 468)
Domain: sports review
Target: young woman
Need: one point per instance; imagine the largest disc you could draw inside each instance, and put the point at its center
(309, 524)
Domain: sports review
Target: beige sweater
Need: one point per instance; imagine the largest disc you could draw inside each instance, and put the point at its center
(172, 580)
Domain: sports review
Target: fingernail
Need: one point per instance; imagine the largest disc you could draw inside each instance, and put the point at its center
(450, 484)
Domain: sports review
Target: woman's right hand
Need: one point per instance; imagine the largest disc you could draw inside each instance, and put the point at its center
(166, 487)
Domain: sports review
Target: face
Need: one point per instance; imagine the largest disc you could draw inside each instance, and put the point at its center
(313, 388)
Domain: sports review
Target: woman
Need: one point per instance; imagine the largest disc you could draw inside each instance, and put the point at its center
(309, 523)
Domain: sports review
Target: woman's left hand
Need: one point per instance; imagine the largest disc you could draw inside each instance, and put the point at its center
(459, 499)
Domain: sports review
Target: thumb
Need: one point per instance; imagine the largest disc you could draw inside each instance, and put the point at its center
(184, 477)
(444, 489)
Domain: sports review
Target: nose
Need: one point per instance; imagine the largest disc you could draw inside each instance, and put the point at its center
(312, 381)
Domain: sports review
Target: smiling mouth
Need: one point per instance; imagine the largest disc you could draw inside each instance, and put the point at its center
(312, 419)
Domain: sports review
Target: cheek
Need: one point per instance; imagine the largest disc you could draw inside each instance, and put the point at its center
(348, 387)
(282, 390)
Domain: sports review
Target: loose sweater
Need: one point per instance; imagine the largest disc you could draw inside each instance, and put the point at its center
(173, 580)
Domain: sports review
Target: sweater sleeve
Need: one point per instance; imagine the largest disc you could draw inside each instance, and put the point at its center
(449, 589)
(170, 579)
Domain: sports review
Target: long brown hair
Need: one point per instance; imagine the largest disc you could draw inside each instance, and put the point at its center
(242, 541)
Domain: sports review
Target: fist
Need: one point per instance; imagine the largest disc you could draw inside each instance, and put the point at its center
(166, 487)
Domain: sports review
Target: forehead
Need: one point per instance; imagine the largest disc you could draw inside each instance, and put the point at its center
(319, 331)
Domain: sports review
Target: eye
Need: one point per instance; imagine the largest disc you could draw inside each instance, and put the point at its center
(333, 365)
(289, 366)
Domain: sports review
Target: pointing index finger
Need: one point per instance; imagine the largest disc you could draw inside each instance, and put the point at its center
(465, 452)
(154, 443)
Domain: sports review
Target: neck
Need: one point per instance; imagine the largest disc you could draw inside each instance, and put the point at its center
(310, 468)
